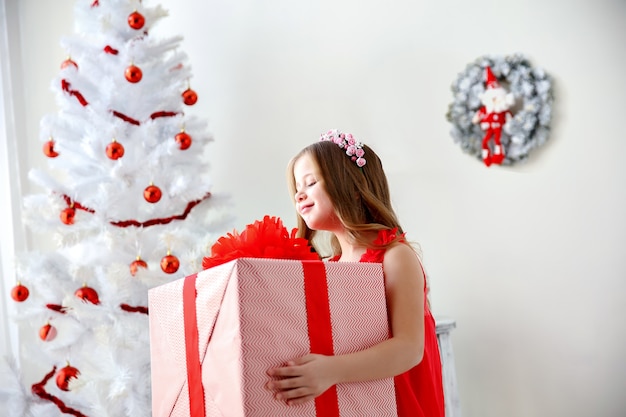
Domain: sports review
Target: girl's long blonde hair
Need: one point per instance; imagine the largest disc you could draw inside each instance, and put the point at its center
(360, 196)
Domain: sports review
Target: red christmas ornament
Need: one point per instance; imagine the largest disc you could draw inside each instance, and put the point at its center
(67, 215)
(137, 263)
(133, 74)
(115, 150)
(47, 332)
(183, 139)
(19, 293)
(48, 149)
(136, 20)
(86, 293)
(170, 263)
(65, 375)
(152, 193)
(68, 63)
(189, 97)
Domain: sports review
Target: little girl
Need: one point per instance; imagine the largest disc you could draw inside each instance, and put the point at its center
(339, 186)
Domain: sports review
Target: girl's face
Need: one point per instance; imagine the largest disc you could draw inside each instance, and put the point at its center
(312, 202)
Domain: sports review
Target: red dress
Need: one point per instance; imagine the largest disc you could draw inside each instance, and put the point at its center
(419, 391)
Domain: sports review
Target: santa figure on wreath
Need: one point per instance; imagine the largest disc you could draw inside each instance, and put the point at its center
(492, 116)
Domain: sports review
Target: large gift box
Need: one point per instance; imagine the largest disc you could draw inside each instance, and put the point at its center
(214, 335)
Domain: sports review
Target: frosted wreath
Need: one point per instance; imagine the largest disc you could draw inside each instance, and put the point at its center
(529, 127)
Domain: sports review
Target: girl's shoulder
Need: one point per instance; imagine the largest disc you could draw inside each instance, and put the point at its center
(401, 263)
(401, 253)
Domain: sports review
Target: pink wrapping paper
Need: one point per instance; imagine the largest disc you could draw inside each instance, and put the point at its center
(251, 316)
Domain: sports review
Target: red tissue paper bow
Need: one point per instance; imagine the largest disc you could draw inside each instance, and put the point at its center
(262, 239)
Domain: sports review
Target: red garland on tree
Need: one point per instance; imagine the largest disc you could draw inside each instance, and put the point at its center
(86, 293)
(67, 215)
(110, 50)
(57, 308)
(170, 263)
(47, 332)
(136, 20)
(19, 293)
(183, 139)
(152, 193)
(189, 97)
(133, 74)
(66, 86)
(48, 149)
(65, 375)
(115, 150)
(136, 264)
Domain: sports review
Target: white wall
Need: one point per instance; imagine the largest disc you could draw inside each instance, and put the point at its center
(538, 302)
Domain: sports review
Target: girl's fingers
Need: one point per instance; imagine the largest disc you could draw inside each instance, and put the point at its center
(288, 383)
(284, 371)
(293, 395)
(300, 400)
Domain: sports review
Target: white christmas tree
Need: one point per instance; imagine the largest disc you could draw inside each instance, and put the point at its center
(128, 204)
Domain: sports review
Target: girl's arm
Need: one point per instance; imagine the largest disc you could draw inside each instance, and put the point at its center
(307, 377)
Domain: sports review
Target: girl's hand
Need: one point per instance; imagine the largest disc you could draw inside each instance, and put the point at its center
(302, 379)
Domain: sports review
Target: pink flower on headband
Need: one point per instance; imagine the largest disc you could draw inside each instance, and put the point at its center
(353, 148)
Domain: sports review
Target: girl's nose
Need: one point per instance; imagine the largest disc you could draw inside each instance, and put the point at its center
(299, 196)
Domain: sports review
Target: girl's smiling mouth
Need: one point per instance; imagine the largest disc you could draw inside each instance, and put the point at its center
(305, 208)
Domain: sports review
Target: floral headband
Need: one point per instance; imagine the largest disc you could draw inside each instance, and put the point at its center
(353, 148)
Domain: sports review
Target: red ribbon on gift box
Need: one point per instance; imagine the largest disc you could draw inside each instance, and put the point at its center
(194, 367)
(319, 330)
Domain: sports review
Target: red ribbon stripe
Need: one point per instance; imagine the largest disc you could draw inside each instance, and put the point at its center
(320, 328)
(194, 367)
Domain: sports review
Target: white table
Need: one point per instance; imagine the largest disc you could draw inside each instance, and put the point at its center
(444, 325)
